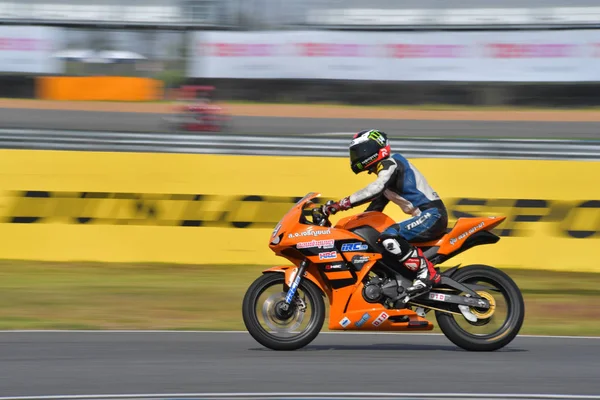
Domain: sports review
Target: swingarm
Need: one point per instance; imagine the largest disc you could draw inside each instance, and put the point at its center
(433, 297)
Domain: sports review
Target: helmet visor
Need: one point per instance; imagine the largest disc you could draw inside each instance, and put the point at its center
(355, 155)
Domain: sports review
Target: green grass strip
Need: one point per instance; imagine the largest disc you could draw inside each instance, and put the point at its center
(44, 295)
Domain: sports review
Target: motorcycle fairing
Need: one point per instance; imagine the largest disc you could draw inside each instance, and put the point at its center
(348, 308)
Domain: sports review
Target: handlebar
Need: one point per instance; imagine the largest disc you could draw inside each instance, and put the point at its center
(319, 217)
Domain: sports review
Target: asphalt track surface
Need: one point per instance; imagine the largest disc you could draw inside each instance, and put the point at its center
(140, 122)
(100, 363)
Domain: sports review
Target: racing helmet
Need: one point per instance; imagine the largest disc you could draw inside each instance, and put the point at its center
(367, 149)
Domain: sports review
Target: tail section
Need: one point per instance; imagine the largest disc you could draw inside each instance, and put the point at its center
(463, 232)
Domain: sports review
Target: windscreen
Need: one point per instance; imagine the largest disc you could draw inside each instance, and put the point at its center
(309, 195)
(306, 211)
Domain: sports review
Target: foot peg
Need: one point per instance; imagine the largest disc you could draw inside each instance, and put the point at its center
(411, 294)
(415, 293)
(466, 312)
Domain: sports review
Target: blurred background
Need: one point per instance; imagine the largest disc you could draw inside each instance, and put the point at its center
(150, 147)
(539, 53)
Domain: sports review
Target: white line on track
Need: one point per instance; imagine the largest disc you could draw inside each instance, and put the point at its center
(308, 395)
(245, 332)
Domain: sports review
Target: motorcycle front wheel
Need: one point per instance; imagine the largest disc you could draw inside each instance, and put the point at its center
(495, 327)
(275, 327)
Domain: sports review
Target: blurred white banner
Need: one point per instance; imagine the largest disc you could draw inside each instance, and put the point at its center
(29, 49)
(517, 56)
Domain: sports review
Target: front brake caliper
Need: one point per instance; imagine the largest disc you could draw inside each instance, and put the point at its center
(300, 303)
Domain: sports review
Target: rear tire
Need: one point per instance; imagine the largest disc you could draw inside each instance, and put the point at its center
(509, 329)
(281, 343)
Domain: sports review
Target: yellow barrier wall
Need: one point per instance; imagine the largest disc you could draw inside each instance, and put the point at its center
(132, 207)
(97, 88)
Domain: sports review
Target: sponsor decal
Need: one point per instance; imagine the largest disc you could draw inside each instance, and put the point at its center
(293, 288)
(359, 261)
(380, 319)
(378, 137)
(345, 322)
(530, 50)
(329, 49)
(354, 247)
(437, 296)
(413, 264)
(362, 320)
(328, 255)
(324, 244)
(367, 160)
(419, 221)
(330, 267)
(467, 233)
(293, 275)
(310, 231)
(406, 50)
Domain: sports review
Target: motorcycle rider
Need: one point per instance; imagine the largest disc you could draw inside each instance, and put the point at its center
(400, 182)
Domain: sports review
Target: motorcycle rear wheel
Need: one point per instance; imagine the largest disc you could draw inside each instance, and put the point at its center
(312, 297)
(510, 325)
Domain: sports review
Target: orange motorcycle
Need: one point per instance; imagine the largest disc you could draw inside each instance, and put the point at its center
(477, 307)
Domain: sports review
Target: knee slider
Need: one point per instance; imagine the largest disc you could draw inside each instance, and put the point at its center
(396, 245)
(392, 245)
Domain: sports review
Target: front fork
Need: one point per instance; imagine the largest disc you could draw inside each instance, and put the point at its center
(294, 285)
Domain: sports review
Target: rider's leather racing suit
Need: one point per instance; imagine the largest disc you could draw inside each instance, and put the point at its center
(400, 182)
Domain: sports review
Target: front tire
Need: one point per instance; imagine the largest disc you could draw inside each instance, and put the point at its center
(510, 326)
(313, 297)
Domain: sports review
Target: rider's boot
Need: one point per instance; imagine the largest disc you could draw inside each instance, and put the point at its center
(427, 275)
(412, 258)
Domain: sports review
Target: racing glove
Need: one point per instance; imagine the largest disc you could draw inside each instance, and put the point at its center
(331, 207)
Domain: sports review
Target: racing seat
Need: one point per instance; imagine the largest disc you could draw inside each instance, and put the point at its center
(370, 235)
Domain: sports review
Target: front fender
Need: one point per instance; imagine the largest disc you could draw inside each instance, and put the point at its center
(290, 273)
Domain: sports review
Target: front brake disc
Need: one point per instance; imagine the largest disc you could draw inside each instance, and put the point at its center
(274, 322)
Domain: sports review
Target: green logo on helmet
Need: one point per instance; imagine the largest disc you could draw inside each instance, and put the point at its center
(377, 136)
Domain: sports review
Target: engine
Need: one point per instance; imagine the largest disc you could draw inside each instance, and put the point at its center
(378, 289)
(373, 291)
